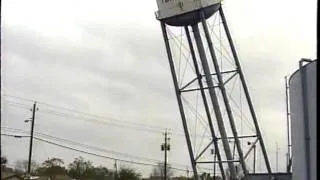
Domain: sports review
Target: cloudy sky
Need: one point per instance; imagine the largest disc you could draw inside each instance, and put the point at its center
(107, 58)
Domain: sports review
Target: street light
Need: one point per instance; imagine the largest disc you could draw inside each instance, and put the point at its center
(27, 120)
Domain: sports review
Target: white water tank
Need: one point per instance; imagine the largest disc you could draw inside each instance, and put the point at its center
(184, 12)
(303, 109)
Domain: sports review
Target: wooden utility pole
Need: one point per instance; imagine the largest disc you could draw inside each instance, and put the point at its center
(277, 149)
(31, 136)
(165, 147)
(116, 170)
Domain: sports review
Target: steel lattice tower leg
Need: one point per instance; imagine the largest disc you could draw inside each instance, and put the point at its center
(210, 87)
(214, 99)
(246, 91)
(205, 102)
(178, 94)
(223, 91)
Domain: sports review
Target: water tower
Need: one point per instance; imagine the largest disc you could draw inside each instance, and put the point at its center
(210, 81)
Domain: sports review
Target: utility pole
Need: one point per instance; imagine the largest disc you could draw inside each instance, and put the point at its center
(165, 147)
(116, 170)
(277, 156)
(31, 136)
(187, 172)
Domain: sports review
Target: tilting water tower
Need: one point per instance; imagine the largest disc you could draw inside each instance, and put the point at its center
(210, 82)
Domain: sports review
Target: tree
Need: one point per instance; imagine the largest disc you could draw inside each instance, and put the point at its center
(21, 166)
(53, 162)
(183, 178)
(158, 171)
(205, 176)
(51, 168)
(101, 173)
(4, 160)
(128, 174)
(80, 169)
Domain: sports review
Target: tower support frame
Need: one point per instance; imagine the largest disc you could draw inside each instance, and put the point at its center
(211, 88)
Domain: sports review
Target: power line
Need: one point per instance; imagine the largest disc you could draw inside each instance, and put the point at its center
(16, 104)
(88, 114)
(90, 153)
(143, 128)
(39, 135)
(135, 126)
(103, 156)
(113, 122)
(92, 120)
(14, 135)
(95, 148)
(83, 145)
(94, 154)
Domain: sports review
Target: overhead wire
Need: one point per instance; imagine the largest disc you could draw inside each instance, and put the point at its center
(144, 127)
(149, 128)
(15, 104)
(17, 130)
(87, 114)
(155, 163)
(39, 134)
(97, 121)
(103, 156)
(132, 126)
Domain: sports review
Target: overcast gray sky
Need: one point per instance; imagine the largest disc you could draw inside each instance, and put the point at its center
(108, 58)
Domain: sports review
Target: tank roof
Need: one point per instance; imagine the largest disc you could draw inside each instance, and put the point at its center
(304, 66)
